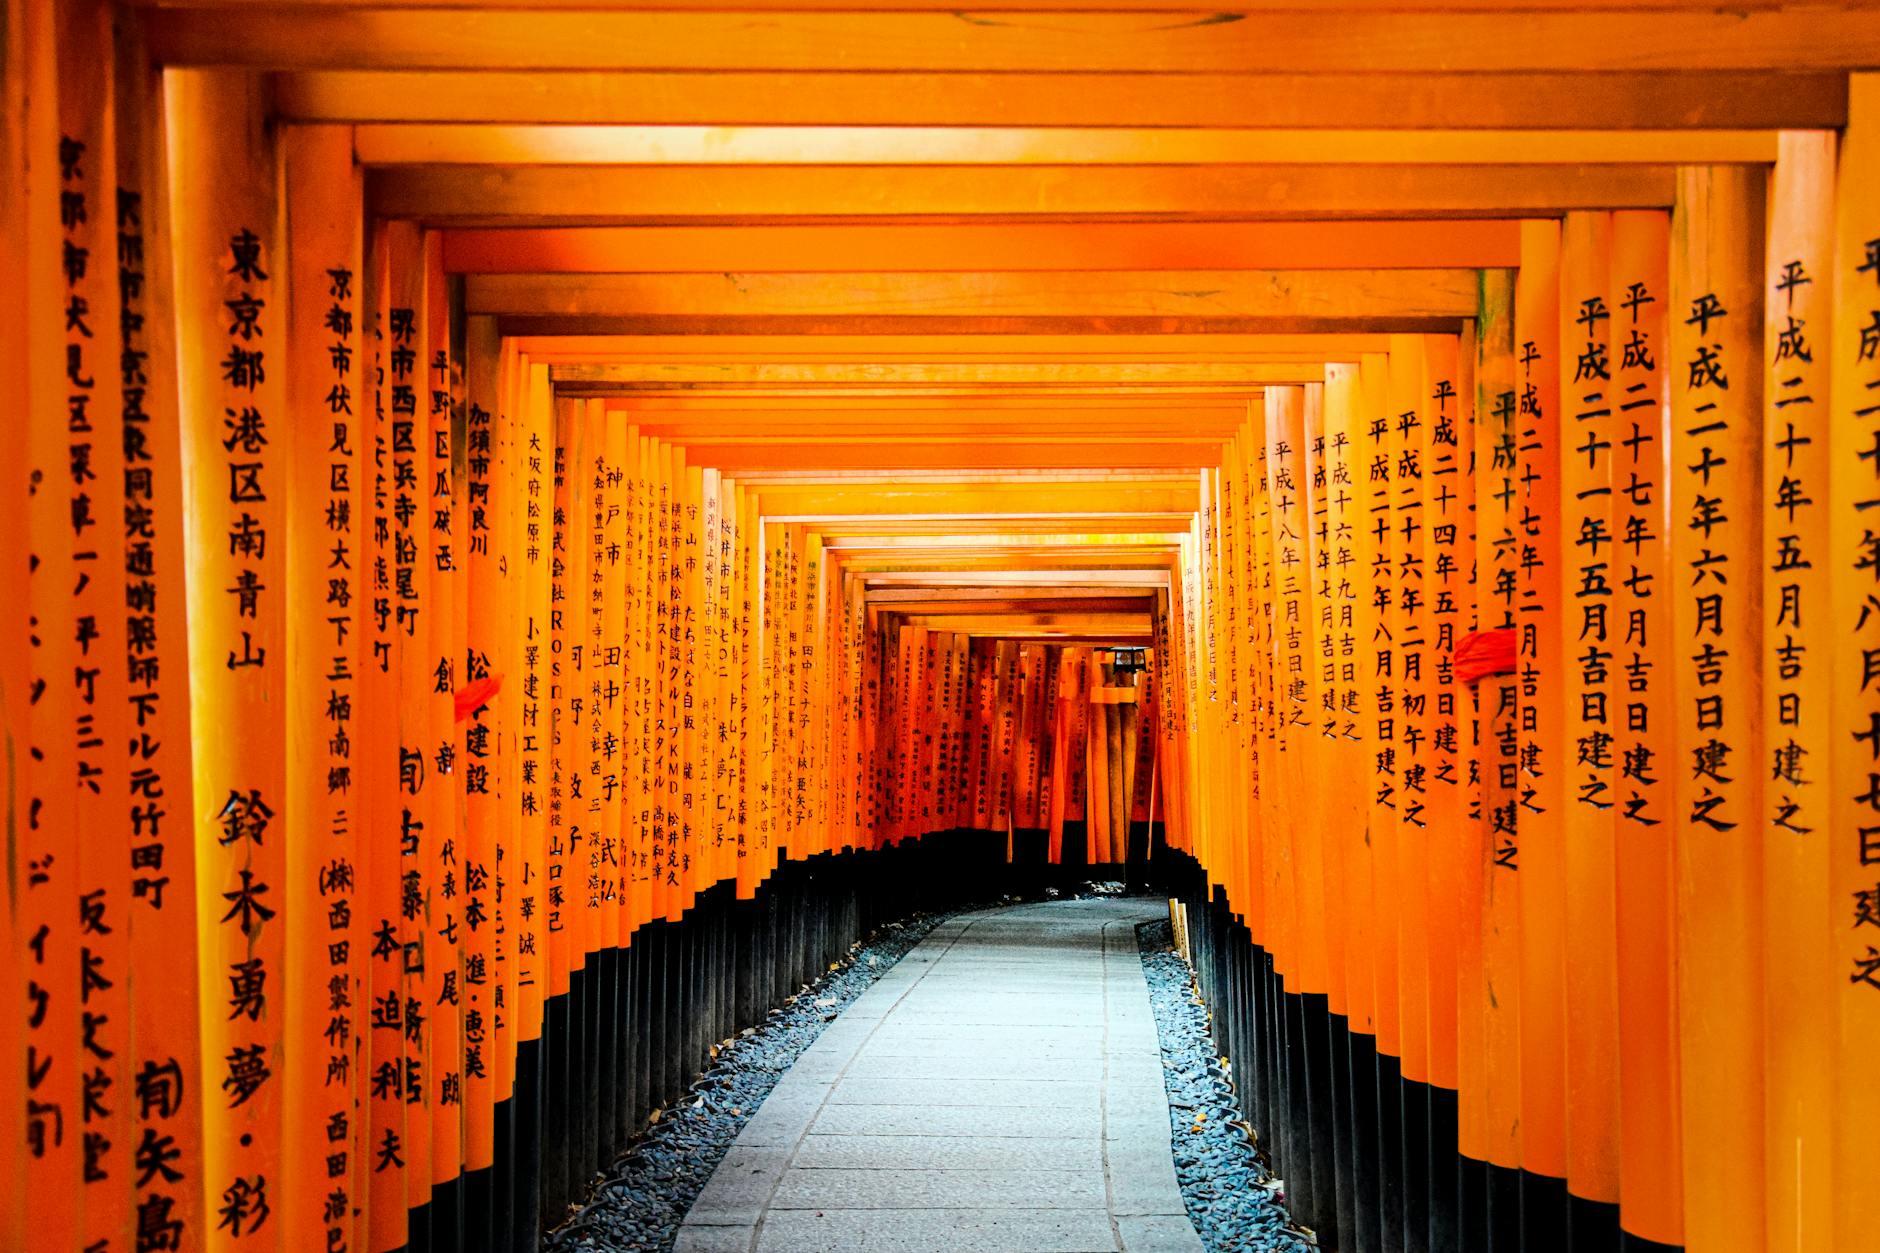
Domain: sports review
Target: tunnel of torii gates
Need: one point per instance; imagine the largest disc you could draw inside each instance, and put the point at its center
(528, 532)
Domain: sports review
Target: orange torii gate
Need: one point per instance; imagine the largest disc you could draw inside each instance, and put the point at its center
(610, 504)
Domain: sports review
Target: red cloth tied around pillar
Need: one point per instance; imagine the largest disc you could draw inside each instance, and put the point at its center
(476, 695)
(1480, 654)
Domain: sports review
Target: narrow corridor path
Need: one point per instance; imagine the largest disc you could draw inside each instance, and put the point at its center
(998, 1091)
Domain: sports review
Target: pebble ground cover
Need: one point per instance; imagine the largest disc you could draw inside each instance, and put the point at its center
(1234, 1202)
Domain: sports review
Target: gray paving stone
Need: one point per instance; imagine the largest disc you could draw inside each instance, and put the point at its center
(842, 1188)
(1029, 1014)
(701, 1239)
(895, 1043)
(822, 1067)
(1086, 1038)
(933, 1231)
(1159, 1234)
(950, 1152)
(956, 1120)
(1000, 1093)
(740, 1189)
(1142, 1180)
(780, 1123)
(1136, 1072)
(1073, 1067)
(1136, 1123)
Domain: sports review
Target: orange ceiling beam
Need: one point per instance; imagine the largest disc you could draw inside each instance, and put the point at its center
(912, 406)
(1409, 244)
(1133, 42)
(915, 496)
(1271, 95)
(977, 194)
(961, 454)
(1280, 295)
(845, 375)
(565, 349)
(1019, 6)
(429, 143)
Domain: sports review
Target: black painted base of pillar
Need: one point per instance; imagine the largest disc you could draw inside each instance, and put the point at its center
(1370, 1158)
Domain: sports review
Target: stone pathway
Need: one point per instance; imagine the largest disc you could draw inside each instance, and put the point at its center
(998, 1091)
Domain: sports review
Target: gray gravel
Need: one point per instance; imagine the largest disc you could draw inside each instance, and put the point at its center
(1235, 1203)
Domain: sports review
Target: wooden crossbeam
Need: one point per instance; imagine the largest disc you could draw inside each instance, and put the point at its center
(1017, 539)
(563, 350)
(664, 405)
(1073, 562)
(813, 498)
(574, 195)
(520, 39)
(1000, 600)
(972, 411)
(487, 144)
(967, 326)
(698, 430)
(1138, 523)
(1282, 296)
(958, 454)
(1363, 245)
(989, 579)
(869, 374)
(1277, 97)
(1021, 6)
(1057, 393)
(997, 544)
(1022, 625)
(708, 448)
(1018, 602)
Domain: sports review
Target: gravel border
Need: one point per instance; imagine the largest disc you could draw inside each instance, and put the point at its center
(1234, 1201)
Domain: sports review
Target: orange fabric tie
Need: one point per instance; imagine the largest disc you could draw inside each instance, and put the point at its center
(476, 695)
(1482, 653)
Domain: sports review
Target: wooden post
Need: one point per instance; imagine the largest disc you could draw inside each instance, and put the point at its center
(1535, 517)
(1797, 728)
(233, 406)
(1496, 988)
(1854, 570)
(1716, 316)
(1651, 1184)
(165, 1030)
(327, 408)
(1586, 414)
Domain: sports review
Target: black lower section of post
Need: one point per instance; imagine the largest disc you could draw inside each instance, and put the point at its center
(1471, 1203)
(1414, 1101)
(1370, 1158)
(1592, 1226)
(1543, 1214)
(1445, 1179)
(1504, 1209)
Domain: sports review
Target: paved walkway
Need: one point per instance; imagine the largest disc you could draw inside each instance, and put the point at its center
(998, 1091)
